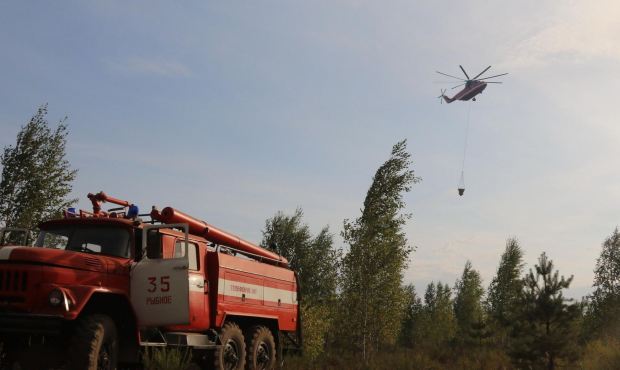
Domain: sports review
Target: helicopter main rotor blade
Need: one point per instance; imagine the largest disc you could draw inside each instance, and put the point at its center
(445, 74)
(463, 69)
(457, 86)
(486, 78)
(480, 74)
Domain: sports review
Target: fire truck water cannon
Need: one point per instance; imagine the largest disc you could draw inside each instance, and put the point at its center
(101, 197)
(215, 235)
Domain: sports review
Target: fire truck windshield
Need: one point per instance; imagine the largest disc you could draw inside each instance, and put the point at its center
(113, 241)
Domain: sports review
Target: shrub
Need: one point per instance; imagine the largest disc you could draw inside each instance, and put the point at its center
(316, 324)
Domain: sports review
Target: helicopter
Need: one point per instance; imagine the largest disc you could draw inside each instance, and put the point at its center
(473, 86)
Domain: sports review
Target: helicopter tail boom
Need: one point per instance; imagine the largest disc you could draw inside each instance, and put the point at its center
(443, 97)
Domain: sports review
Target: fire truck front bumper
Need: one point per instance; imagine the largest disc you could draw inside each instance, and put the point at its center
(17, 323)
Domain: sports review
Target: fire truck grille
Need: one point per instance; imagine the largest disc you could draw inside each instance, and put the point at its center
(13, 281)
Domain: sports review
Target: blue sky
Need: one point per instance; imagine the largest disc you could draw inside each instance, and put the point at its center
(233, 111)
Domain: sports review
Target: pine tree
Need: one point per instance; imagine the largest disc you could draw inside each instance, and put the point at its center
(604, 310)
(468, 305)
(36, 176)
(372, 271)
(505, 288)
(545, 323)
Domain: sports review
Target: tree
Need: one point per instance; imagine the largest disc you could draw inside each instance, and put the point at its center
(413, 319)
(545, 323)
(439, 323)
(316, 262)
(604, 307)
(36, 176)
(313, 257)
(372, 300)
(505, 288)
(468, 304)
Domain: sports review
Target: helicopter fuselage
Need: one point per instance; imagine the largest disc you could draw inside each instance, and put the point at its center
(469, 92)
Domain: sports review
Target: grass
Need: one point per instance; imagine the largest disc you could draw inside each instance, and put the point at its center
(166, 358)
(602, 354)
(406, 360)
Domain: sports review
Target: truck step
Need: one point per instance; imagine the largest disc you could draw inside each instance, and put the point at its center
(194, 340)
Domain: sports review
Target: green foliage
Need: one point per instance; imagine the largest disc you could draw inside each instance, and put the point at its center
(506, 286)
(317, 320)
(166, 358)
(438, 324)
(412, 319)
(468, 306)
(36, 177)
(316, 262)
(545, 323)
(314, 258)
(604, 308)
(430, 326)
(504, 290)
(373, 300)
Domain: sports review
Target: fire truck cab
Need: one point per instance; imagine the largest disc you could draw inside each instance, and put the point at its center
(97, 288)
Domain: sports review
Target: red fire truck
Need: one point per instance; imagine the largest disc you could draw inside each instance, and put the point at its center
(99, 287)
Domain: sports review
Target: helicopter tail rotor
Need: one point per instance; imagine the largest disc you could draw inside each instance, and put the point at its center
(441, 96)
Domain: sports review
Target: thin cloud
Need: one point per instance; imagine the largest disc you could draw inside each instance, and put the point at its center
(151, 66)
(577, 33)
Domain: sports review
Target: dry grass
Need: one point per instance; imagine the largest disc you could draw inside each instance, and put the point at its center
(166, 358)
(405, 360)
(602, 354)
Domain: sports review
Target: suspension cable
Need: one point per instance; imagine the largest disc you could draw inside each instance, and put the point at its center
(466, 137)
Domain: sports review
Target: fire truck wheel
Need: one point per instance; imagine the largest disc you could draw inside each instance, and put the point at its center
(231, 354)
(94, 345)
(261, 349)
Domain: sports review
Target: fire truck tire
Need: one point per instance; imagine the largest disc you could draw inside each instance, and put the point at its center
(261, 349)
(231, 354)
(94, 345)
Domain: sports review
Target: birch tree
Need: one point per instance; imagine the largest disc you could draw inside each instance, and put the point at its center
(372, 299)
(36, 175)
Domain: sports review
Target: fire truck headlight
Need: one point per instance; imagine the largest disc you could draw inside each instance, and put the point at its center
(58, 298)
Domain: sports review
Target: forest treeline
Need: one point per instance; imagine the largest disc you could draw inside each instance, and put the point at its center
(357, 311)
(522, 320)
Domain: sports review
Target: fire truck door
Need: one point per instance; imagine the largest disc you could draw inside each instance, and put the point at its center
(159, 286)
(198, 288)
